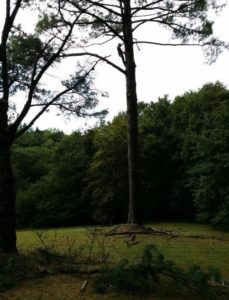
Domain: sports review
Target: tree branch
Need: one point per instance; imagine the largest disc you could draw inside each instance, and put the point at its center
(105, 7)
(99, 44)
(35, 82)
(172, 44)
(97, 17)
(52, 102)
(139, 8)
(9, 19)
(98, 56)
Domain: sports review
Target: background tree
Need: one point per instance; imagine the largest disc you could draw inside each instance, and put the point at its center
(159, 164)
(107, 184)
(208, 174)
(120, 20)
(25, 58)
(50, 169)
(66, 182)
(32, 156)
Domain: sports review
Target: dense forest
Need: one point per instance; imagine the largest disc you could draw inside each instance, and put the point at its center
(81, 178)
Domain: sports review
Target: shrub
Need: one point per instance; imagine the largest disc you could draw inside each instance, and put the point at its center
(145, 275)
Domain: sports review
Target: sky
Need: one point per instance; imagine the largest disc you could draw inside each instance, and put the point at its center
(161, 71)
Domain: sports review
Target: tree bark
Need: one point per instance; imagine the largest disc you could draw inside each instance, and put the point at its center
(7, 200)
(132, 115)
(7, 188)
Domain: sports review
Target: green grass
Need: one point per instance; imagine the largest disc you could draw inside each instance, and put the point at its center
(194, 244)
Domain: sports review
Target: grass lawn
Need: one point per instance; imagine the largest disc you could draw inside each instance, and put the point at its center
(191, 244)
(199, 244)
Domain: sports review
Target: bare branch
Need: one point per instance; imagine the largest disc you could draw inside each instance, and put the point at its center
(99, 44)
(98, 18)
(14, 79)
(171, 44)
(98, 56)
(105, 7)
(144, 7)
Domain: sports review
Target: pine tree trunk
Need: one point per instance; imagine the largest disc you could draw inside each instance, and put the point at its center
(132, 115)
(132, 153)
(7, 199)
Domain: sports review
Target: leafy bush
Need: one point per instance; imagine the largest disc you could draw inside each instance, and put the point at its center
(6, 282)
(147, 274)
(12, 267)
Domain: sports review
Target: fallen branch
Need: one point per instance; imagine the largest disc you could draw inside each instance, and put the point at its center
(129, 243)
(83, 286)
(132, 229)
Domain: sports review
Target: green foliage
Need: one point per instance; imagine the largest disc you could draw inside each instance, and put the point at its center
(71, 160)
(158, 147)
(209, 172)
(107, 175)
(32, 159)
(200, 121)
(12, 268)
(46, 22)
(6, 282)
(82, 178)
(51, 169)
(24, 50)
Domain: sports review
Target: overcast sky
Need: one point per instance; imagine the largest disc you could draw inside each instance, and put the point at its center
(160, 71)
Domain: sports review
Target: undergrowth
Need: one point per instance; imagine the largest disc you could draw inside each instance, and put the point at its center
(149, 272)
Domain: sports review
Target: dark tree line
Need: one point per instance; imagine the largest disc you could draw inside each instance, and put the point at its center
(82, 178)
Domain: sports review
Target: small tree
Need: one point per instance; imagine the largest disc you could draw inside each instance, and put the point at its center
(120, 20)
(25, 59)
